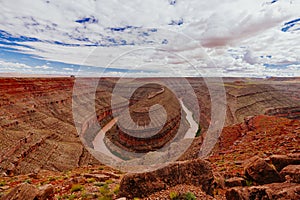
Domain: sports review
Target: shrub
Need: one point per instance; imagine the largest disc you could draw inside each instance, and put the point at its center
(109, 181)
(76, 188)
(190, 196)
(91, 180)
(116, 189)
(2, 183)
(105, 192)
(51, 178)
(99, 184)
(173, 195)
(72, 196)
(249, 182)
(27, 181)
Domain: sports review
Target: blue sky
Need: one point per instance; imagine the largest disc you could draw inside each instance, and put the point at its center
(155, 38)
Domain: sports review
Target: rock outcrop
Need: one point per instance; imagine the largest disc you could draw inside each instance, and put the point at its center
(261, 172)
(281, 161)
(278, 191)
(30, 192)
(291, 173)
(258, 171)
(195, 172)
(235, 181)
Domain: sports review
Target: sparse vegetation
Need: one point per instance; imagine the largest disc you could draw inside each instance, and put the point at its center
(2, 183)
(99, 184)
(76, 188)
(106, 194)
(249, 183)
(72, 196)
(173, 195)
(109, 181)
(91, 180)
(51, 178)
(190, 196)
(27, 181)
(116, 189)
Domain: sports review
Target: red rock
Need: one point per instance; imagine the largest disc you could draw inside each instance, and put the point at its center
(281, 161)
(278, 191)
(292, 172)
(261, 172)
(46, 192)
(195, 172)
(23, 191)
(235, 181)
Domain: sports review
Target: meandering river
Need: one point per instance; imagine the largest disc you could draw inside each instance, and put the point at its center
(100, 146)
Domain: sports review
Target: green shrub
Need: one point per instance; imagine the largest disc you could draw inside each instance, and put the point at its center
(27, 181)
(76, 188)
(173, 195)
(91, 180)
(99, 184)
(51, 178)
(2, 183)
(72, 196)
(190, 196)
(109, 181)
(105, 193)
(249, 182)
(116, 189)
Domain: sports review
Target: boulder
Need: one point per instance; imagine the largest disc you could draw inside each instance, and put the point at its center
(23, 191)
(46, 192)
(281, 161)
(261, 172)
(30, 192)
(193, 172)
(235, 181)
(278, 191)
(292, 173)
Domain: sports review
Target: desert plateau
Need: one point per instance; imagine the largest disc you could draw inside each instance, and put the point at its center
(257, 155)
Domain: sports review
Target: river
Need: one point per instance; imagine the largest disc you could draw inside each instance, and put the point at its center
(100, 146)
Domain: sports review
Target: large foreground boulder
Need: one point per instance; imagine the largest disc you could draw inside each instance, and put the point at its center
(30, 192)
(278, 191)
(281, 161)
(261, 172)
(195, 172)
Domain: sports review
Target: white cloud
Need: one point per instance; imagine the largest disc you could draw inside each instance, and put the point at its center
(250, 28)
(20, 68)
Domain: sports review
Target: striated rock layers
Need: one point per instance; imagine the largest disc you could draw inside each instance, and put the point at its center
(37, 128)
(195, 172)
(139, 133)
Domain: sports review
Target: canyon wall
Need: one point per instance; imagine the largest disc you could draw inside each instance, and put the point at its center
(37, 129)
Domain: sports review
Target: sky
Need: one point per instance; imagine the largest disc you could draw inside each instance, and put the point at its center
(232, 38)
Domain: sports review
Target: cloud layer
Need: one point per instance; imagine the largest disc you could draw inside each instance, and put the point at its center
(141, 38)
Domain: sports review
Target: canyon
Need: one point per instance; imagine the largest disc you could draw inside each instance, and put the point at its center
(38, 131)
(36, 115)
